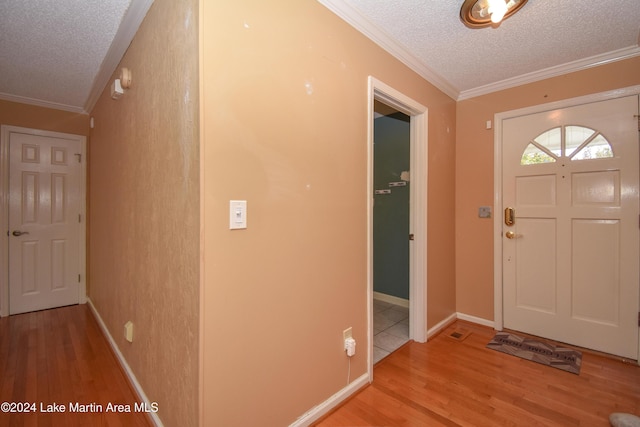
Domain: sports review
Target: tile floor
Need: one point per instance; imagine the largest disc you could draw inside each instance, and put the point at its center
(390, 328)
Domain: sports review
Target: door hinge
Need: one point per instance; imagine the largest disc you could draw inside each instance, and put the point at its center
(79, 217)
(78, 278)
(79, 157)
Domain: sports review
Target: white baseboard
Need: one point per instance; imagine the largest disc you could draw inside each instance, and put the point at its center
(315, 413)
(441, 325)
(478, 320)
(125, 366)
(391, 299)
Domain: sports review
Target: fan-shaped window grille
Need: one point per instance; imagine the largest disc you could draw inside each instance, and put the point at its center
(568, 142)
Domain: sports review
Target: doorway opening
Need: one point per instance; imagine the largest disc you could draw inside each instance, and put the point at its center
(391, 180)
(384, 96)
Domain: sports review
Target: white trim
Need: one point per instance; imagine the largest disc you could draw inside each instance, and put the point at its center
(315, 413)
(382, 92)
(441, 325)
(477, 320)
(4, 214)
(5, 131)
(131, 21)
(402, 302)
(497, 176)
(354, 18)
(558, 70)
(41, 103)
(497, 222)
(82, 243)
(458, 316)
(123, 363)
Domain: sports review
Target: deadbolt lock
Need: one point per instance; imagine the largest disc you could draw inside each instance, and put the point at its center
(509, 216)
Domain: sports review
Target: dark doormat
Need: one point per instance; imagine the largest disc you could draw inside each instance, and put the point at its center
(537, 351)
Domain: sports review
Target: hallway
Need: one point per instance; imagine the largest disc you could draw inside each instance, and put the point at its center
(58, 360)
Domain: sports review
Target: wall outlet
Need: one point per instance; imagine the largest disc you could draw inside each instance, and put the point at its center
(349, 342)
(350, 346)
(128, 331)
(347, 333)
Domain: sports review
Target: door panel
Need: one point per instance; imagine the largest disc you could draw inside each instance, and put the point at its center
(596, 271)
(570, 260)
(536, 287)
(45, 184)
(29, 254)
(536, 191)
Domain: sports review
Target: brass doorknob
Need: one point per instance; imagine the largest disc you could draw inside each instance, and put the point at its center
(510, 235)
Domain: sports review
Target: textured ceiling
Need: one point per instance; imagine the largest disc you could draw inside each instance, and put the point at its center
(53, 51)
(60, 53)
(545, 37)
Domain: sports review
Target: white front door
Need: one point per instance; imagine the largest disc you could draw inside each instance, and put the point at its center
(570, 257)
(45, 206)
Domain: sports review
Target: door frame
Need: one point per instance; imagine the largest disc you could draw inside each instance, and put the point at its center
(379, 91)
(497, 177)
(5, 131)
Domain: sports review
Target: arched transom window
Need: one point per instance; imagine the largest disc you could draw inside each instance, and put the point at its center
(569, 142)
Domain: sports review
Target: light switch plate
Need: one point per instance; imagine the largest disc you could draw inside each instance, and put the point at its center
(237, 214)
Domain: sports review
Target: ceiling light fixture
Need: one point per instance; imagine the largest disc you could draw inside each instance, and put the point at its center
(484, 13)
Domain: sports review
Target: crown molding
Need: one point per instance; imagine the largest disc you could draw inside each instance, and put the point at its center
(41, 103)
(569, 67)
(131, 21)
(382, 39)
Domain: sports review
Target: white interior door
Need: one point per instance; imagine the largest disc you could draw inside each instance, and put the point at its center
(570, 258)
(45, 206)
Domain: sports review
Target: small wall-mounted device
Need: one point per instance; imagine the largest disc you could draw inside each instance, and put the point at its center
(125, 78)
(484, 212)
(116, 89)
(120, 84)
(128, 331)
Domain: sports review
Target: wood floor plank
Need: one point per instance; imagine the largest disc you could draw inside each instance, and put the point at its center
(463, 383)
(60, 357)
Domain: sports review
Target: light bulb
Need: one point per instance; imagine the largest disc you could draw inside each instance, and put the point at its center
(497, 9)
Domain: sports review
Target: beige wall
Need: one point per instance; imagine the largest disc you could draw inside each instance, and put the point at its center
(30, 116)
(474, 170)
(284, 126)
(144, 200)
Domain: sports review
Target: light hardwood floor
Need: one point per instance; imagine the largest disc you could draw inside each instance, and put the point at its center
(60, 356)
(446, 382)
